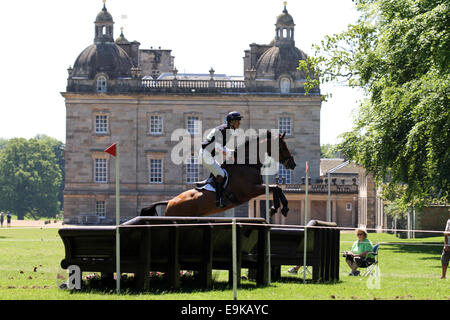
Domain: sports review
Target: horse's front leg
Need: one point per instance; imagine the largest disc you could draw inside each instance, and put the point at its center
(278, 195)
(285, 209)
(276, 198)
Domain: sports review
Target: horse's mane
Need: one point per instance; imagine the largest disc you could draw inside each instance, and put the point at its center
(262, 137)
(257, 137)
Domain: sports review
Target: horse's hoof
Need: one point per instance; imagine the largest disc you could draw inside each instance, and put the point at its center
(273, 211)
(284, 211)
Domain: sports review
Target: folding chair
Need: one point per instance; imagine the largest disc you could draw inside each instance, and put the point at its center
(373, 263)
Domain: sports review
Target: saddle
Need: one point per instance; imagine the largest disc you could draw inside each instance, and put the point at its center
(210, 185)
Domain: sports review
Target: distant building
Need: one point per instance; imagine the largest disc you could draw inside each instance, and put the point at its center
(341, 207)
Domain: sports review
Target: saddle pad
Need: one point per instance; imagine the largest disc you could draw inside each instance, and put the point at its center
(208, 186)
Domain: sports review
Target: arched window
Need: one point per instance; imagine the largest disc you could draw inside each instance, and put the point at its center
(285, 85)
(284, 33)
(101, 84)
(104, 30)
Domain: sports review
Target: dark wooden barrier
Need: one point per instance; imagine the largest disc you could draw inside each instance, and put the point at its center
(322, 250)
(200, 244)
(169, 248)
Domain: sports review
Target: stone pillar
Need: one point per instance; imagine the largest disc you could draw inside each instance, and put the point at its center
(309, 210)
(251, 209)
(334, 210)
(250, 76)
(211, 81)
(258, 209)
(328, 210)
(175, 80)
(354, 212)
(302, 212)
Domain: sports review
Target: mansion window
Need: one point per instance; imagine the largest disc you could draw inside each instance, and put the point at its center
(101, 84)
(193, 125)
(284, 125)
(192, 170)
(348, 206)
(156, 125)
(284, 175)
(156, 171)
(100, 209)
(101, 124)
(100, 171)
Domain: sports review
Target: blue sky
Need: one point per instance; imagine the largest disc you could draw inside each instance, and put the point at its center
(41, 39)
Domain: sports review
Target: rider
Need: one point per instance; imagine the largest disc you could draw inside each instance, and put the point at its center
(233, 121)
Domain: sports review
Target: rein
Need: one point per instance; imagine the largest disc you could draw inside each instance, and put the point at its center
(259, 163)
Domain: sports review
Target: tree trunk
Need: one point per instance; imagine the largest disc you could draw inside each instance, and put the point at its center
(20, 215)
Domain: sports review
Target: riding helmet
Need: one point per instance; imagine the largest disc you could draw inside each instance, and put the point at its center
(234, 115)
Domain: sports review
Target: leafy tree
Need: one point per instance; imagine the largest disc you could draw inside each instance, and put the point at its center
(398, 52)
(58, 149)
(3, 143)
(329, 151)
(29, 178)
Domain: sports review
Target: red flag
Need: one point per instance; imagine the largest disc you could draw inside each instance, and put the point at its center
(111, 150)
(306, 168)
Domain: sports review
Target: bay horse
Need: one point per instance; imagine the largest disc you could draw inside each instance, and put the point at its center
(245, 182)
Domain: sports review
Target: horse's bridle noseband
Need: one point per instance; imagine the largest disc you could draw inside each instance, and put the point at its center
(285, 160)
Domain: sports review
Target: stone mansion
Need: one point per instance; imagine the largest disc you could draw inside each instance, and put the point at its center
(120, 92)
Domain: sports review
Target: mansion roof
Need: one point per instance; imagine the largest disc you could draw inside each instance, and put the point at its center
(123, 67)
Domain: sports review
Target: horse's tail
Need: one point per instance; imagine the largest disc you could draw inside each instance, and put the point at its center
(151, 211)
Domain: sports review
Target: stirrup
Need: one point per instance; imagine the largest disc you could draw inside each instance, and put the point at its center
(220, 203)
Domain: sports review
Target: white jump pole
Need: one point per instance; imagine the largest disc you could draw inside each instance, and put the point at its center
(234, 252)
(306, 222)
(266, 176)
(114, 151)
(117, 221)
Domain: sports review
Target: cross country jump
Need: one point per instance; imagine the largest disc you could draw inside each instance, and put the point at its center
(243, 184)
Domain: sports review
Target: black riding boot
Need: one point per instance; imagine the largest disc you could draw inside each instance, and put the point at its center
(219, 191)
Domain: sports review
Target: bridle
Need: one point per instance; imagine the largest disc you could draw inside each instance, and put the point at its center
(286, 160)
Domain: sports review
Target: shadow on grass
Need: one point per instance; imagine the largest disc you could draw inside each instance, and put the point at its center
(160, 286)
(156, 287)
(299, 280)
(428, 248)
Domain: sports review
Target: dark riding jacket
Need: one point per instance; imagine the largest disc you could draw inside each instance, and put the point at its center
(218, 135)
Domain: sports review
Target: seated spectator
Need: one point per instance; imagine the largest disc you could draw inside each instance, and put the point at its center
(360, 254)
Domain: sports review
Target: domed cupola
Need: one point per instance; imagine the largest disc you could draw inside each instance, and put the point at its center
(281, 59)
(103, 58)
(284, 29)
(285, 19)
(106, 58)
(104, 26)
(121, 40)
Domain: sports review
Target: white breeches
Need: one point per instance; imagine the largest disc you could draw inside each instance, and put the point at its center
(210, 163)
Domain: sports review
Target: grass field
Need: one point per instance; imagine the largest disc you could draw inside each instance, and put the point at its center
(410, 269)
